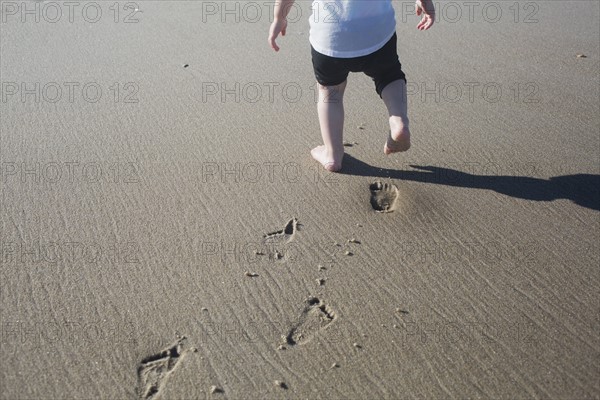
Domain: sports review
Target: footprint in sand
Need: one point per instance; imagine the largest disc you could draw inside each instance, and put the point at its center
(284, 235)
(383, 196)
(154, 370)
(315, 317)
(276, 241)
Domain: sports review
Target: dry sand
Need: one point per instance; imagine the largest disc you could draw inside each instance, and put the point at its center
(140, 246)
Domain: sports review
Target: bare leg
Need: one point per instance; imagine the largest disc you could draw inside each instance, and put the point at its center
(331, 120)
(395, 99)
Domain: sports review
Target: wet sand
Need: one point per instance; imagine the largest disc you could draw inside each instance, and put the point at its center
(165, 233)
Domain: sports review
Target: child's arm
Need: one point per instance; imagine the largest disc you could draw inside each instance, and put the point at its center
(279, 25)
(426, 8)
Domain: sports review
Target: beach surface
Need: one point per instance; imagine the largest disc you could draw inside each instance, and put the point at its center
(166, 234)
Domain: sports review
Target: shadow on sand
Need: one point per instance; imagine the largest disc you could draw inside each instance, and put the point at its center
(582, 189)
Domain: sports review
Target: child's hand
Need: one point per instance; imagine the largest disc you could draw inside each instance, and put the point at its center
(426, 8)
(278, 26)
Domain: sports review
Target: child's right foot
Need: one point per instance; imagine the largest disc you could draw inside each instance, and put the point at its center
(328, 162)
(399, 143)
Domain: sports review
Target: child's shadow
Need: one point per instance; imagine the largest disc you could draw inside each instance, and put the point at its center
(582, 189)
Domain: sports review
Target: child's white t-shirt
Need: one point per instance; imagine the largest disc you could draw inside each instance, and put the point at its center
(351, 28)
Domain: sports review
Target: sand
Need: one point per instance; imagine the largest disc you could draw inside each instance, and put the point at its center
(165, 233)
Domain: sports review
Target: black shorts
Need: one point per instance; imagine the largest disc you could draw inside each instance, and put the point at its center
(382, 66)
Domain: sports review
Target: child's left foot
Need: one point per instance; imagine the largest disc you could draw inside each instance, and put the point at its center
(328, 162)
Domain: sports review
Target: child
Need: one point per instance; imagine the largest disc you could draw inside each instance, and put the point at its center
(354, 36)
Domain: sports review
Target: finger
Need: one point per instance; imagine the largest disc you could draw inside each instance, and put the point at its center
(428, 23)
(418, 9)
(425, 23)
(273, 43)
(272, 37)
